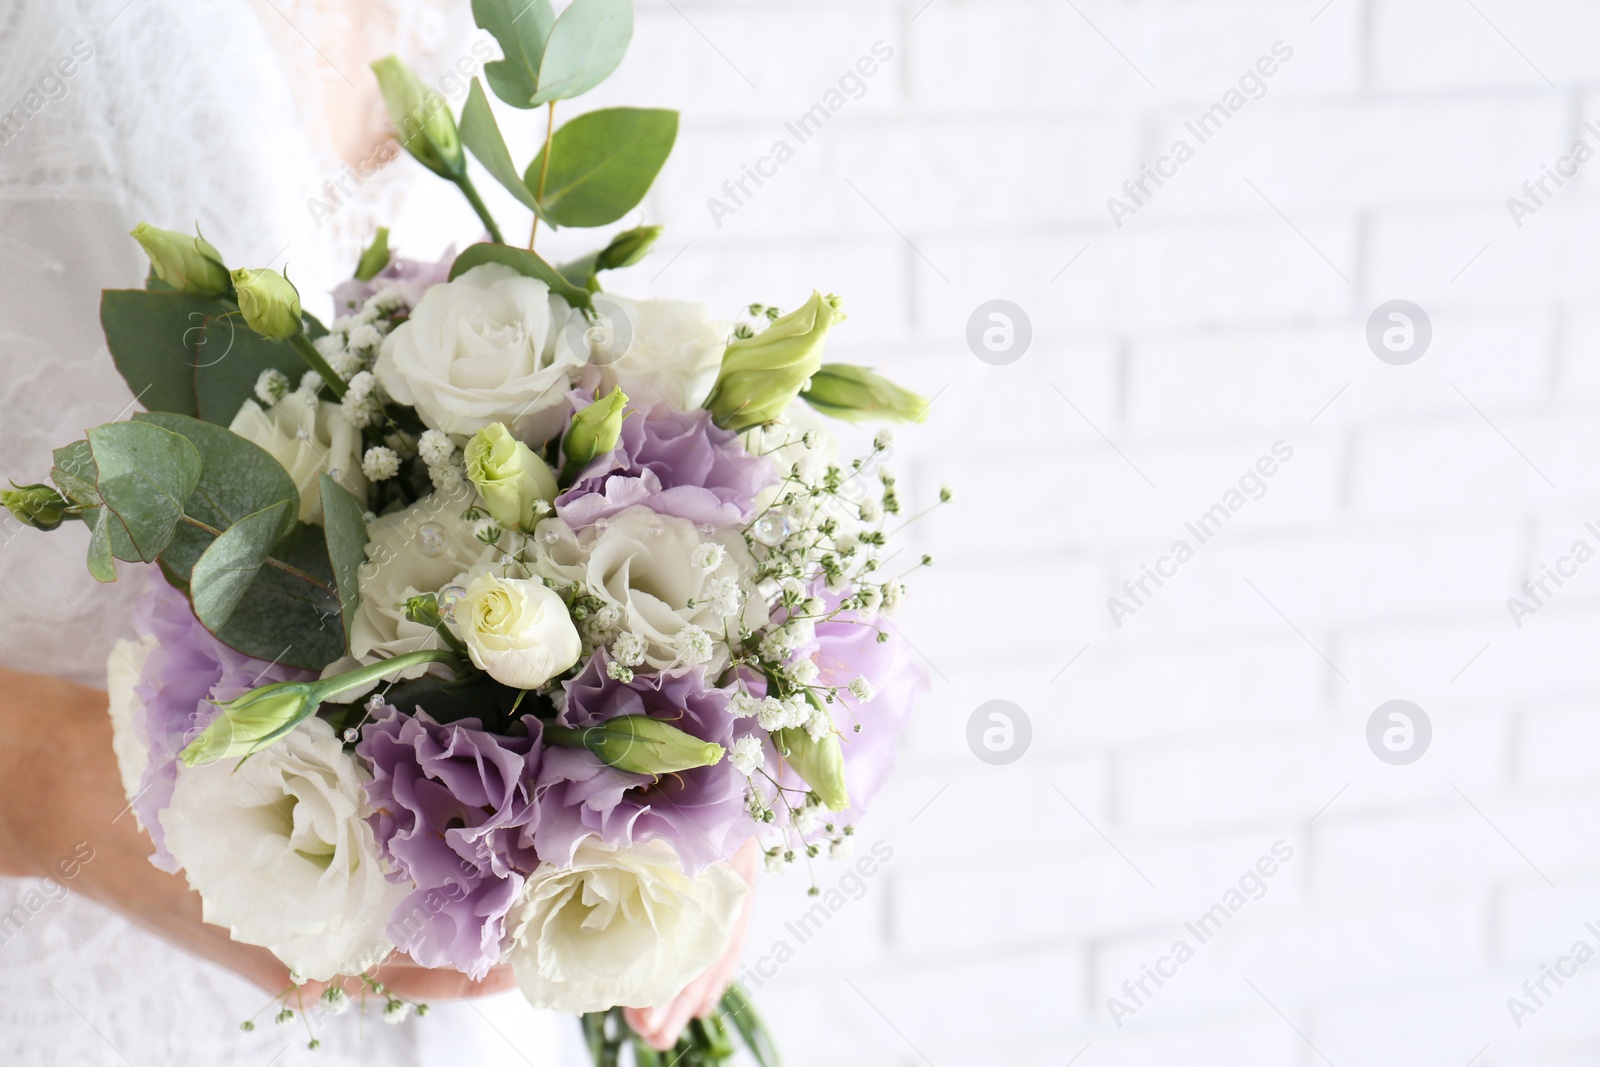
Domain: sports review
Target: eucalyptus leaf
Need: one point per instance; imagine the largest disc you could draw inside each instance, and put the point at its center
(74, 473)
(145, 474)
(602, 164)
(228, 567)
(521, 27)
(481, 134)
(285, 619)
(190, 354)
(346, 533)
(101, 564)
(523, 262)
(586, 45)
(238, 478)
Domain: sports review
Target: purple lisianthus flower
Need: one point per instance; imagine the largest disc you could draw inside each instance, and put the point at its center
(409, 277)
(846, 647)
(453, 808)
(185, 670)
(700, 812)
(673, 462)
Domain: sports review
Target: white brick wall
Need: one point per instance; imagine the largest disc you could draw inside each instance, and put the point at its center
(1209, 726)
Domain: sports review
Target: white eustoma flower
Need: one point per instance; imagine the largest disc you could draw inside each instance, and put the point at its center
(491, 346)
(620, 926)
(123, 675)
(308, 437)
(658, 351)
(279, 849)
(418, 550)
(644, 564)
(517, 630)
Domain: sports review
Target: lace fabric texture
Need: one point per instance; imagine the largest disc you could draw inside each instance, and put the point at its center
(180, 112)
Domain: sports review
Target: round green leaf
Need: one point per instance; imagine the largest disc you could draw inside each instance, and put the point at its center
(144, 475)
(602, 163)
(225, 570)
(586, 45)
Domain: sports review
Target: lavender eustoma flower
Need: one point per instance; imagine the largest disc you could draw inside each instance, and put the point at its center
(846, 648)
(699, 812)
(674, 462)
(186, 669)
(453, 808)
(409, 277)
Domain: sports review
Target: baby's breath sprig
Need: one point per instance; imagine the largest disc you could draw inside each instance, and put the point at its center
(335, 1000)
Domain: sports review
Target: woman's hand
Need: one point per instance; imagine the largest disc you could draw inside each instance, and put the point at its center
(661, 1027)
(62, 810)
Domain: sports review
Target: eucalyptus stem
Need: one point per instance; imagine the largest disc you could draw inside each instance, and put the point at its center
(277, 564)
(308, 352)
(470, 191)
(544, 168)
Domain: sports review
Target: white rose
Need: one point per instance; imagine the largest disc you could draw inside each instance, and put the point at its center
(658, 351)
(518, 630)
(330, 444)
(620, 926)
(491, 346)
(646, 565)
(280, 852)
(420, 549)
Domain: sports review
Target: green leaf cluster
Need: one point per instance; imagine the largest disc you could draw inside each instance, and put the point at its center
(217, 513)
(592, 170)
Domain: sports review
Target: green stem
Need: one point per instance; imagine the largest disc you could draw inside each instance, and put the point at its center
(329, 688)
(308, 352)
(544, 169)
(470, 191)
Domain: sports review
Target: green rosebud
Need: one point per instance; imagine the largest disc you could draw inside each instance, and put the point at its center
(253, 721)
(594, 432)
(639, 744)
(39, 506)
(269, 301)
(762, 374)
(858, 394)
(422, 120)
(375, 258)
(509, 475)
(819, 762)
(188, 264)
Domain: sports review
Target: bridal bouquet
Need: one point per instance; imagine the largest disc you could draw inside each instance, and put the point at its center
(494, 620)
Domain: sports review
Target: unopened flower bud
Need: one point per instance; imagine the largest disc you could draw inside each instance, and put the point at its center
(857, 394)
(761, 375)
(269, 302)
(39, 506)
(422, 121)
(639, 744)
(510, 476)
(594, 432)
(819, 761)
(188, 264)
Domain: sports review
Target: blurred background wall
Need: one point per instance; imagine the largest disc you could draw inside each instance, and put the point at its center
(1203, 742)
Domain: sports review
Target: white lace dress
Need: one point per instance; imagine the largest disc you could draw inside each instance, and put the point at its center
(177, 112)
